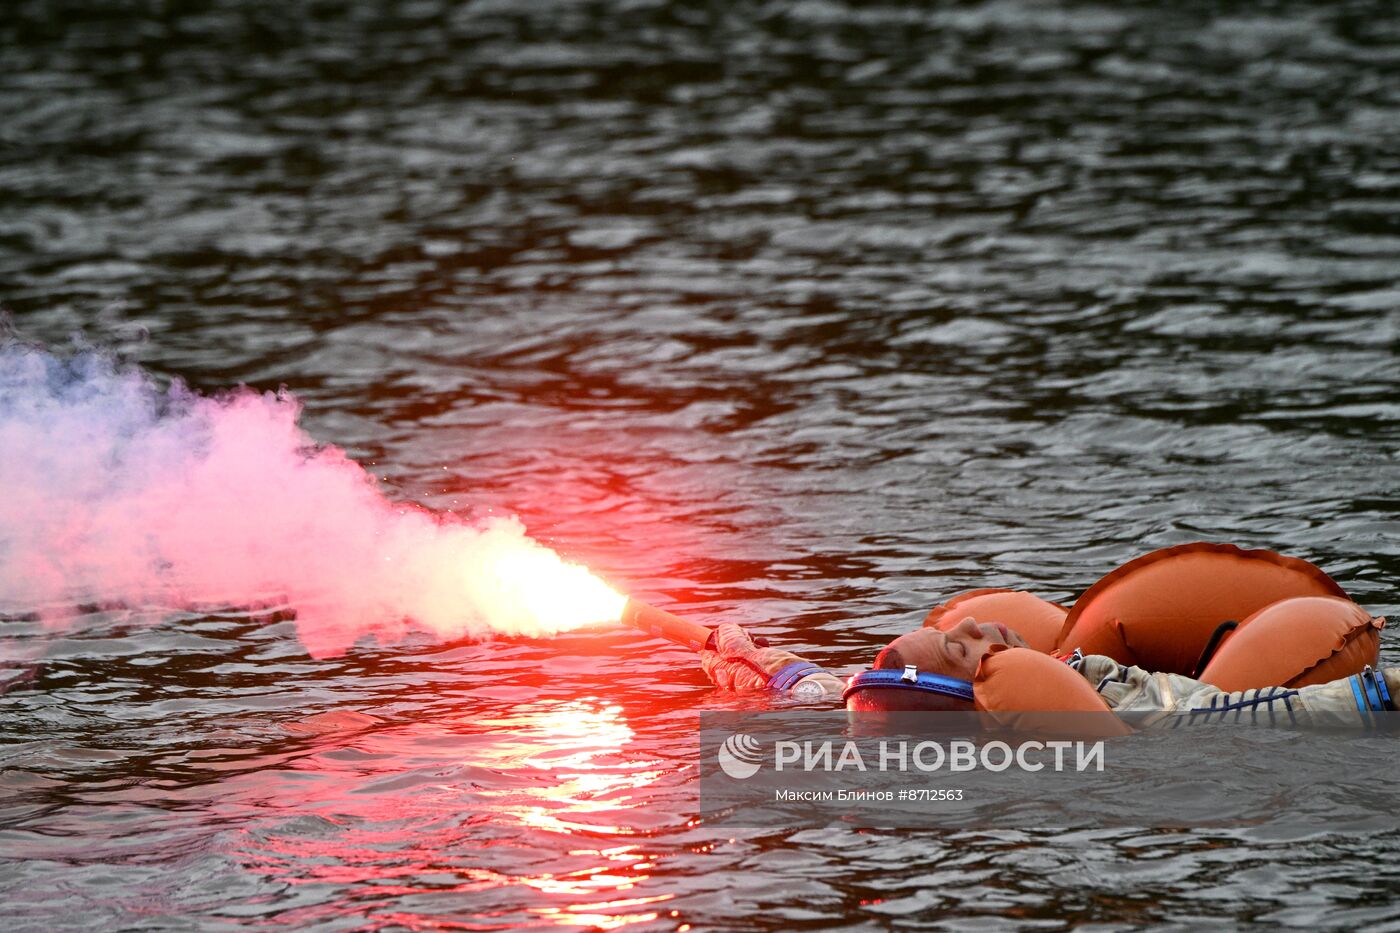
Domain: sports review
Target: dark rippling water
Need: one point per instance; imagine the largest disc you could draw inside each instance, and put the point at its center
(798, 315)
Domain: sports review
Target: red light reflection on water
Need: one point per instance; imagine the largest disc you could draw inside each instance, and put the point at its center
(392, 831)
(579, 735)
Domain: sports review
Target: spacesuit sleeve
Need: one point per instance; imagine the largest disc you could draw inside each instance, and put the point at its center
(1174, 700)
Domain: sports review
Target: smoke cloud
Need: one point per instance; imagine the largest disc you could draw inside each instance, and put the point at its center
(116, 490)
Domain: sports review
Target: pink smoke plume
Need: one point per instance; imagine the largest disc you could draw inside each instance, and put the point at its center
(113, 489)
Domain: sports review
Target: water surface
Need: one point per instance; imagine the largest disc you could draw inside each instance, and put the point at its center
(803, 316)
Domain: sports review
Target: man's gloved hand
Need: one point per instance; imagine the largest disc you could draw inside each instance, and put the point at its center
(736, 663)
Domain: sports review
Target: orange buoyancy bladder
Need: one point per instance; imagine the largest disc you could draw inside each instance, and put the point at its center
(1159, 610)
(1036, 620)
(1012, 682)
(1296, 642)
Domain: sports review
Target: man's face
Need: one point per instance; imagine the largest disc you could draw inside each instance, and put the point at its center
(955, 653)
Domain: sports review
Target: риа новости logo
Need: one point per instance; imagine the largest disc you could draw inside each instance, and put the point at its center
(740, 756)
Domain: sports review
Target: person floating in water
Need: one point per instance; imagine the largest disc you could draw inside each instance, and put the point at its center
(936, 668)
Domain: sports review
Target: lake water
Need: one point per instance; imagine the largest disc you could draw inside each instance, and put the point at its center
(804, 316)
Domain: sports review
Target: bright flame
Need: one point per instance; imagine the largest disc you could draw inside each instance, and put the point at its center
(549, 593)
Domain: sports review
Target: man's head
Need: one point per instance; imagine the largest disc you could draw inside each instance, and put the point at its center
(954, 653)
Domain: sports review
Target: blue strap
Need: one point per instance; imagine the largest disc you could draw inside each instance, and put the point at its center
(1250, 701)
(1361, 704)
(1383, 688)
(1372, 696)
(1376, 689)
(789, 674)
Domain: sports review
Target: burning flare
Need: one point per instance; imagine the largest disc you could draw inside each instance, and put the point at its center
(115, 489)
(549, 594)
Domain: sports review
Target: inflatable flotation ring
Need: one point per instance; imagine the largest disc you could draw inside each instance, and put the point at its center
(1036, 620)
(1002, 688)
(1238, 619)
(1296, 642)
(1163, 610)
(1159, 610)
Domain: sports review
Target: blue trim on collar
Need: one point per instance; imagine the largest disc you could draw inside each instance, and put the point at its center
(897, 680)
